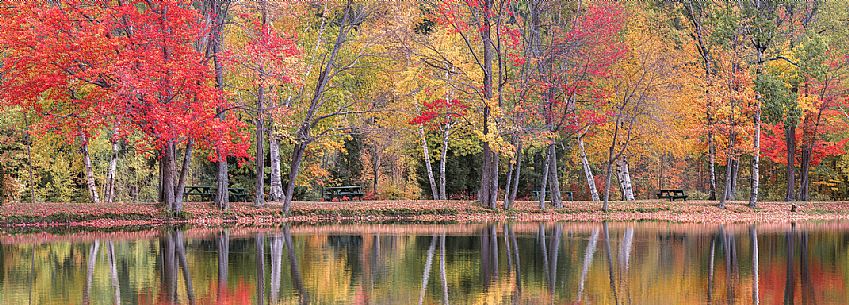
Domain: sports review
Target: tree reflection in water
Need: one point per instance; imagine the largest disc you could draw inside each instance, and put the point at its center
(506, 263)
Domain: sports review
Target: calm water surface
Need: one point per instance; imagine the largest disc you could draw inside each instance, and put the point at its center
(516, 263)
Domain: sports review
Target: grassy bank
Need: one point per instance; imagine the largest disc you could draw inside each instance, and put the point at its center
(105, 216)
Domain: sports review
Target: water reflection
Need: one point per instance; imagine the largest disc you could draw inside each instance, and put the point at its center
(507, 263)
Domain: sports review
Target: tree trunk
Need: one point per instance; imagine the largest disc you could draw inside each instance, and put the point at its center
(259, 199)
(168, 167)
(607, 177)
(712, 163)
(222, 178)
(790, 140)
(294, 269)
(276, 182)
(375, 163)
(428, 167)
(804, 175)
(514, 189)
(624, 176)
(89, 172)
(109, 188)
(735, 174)
(184, 172)
(756, 156)
(588, 171)
(443, 158)
(489, 169)
(554, 185)
(545, 175)
(295, 167)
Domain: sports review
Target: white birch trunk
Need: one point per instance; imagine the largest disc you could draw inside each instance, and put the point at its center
(89, 172)
(276, 192)
(588, 171)
(442, 160)
(625, 179)
(109, 188)
(428, 166)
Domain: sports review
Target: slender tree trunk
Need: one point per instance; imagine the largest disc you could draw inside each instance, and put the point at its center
(804, 173)
(428, 167)
(712, 160)
(588, 171)
(625, 179)
(28, 141)
(443, 158)
(276, 194)
(184, 172)
(222, 177)
(489, 169)
(555, 177)
(790, 140)
(109, 188)
(517, 173)
(89, 172)
(756, 156)
(259, 190)
(295, 167)
(545, 175)
(375, 162)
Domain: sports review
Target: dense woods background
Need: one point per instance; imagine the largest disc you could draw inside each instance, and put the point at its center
(126, 101)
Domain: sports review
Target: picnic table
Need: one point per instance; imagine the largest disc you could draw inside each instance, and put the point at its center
(343, 192)
(207, 193)
(567, 193)
(671, 194)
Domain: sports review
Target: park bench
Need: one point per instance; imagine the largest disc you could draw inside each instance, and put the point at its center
(343, 192)
(567, 193)
(207, 193)
(671, 195)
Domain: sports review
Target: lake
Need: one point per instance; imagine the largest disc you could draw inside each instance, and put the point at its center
(504, 263)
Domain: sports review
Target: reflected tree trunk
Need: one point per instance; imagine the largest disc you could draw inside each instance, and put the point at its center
(808, 291)
(427, 267)
(730, 254)
(260, 268)
(711, 265)
(276, 267)
(753, 234)
(610, 272)
(89, 275)
(588, 261)
(168, 263)
(113, 272)
(790, 280)
(543, 248)
(442, 273)
(554, 253)
(297, 283)
(624, 259)
(181, 256)
(223, 242)
(516, 262)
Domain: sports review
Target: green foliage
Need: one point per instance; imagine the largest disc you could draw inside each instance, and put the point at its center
(779, 104)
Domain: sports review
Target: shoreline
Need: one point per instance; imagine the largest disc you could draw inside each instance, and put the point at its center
(82, 216)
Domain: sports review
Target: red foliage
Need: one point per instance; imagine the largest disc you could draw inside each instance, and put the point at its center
(135, 66)
(440, 112)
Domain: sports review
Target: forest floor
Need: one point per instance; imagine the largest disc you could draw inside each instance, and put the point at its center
(61, 216)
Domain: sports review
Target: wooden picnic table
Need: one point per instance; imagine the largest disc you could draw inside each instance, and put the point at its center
(343, 192)
(207, 193)
(671, 194)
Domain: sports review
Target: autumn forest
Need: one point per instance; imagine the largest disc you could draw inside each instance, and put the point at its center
(492, 101)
